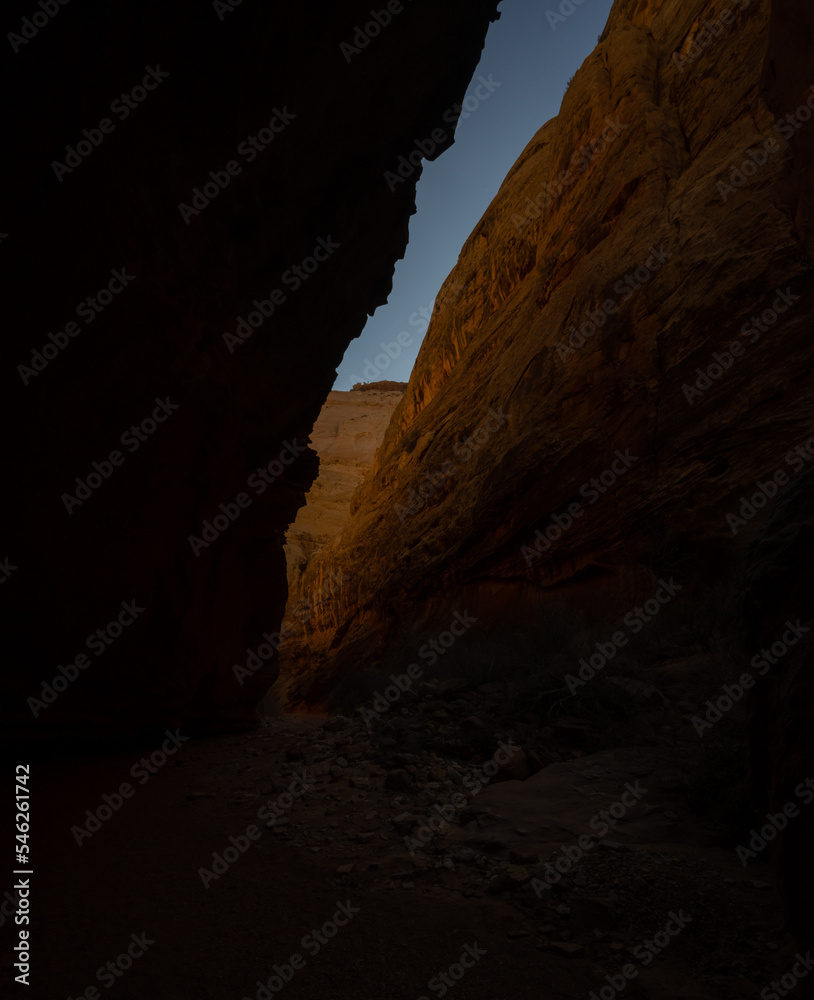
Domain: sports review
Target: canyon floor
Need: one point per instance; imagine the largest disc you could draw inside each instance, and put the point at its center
(342, 842)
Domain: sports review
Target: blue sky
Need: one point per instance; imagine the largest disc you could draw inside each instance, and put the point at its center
(532, 55)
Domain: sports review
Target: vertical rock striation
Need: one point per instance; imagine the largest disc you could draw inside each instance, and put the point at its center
(630, 354)
(347, 432)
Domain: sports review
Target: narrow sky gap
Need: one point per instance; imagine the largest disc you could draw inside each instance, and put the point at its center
(532, 54)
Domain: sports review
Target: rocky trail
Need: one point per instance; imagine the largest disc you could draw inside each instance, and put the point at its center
(430, 836)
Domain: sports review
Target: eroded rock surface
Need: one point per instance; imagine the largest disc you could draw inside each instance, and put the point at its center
(557, 439)
(349, 429)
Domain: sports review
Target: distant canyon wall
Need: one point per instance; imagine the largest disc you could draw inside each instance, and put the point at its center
(346, 435)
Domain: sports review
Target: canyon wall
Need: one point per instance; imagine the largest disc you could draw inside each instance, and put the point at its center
(347, 432)
(630, 354)
(780, 590)
(197, 225)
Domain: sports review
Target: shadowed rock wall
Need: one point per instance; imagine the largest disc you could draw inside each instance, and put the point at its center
(780, 602)
(287, 137)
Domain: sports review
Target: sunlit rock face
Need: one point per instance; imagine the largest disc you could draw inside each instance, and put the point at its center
(621, 354)
(200, 225)
(349, 429)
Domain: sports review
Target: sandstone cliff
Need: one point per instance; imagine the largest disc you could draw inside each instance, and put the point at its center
(630, 356)
(347, 432)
